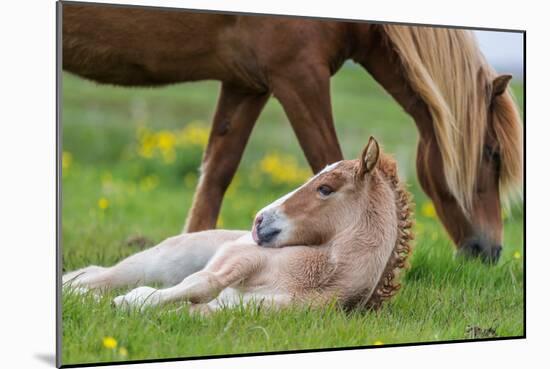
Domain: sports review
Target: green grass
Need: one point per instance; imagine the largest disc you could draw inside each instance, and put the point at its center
(441, 296)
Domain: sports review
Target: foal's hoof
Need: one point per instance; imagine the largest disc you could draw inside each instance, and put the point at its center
(200, 310)
(488, 253)
(138, 298)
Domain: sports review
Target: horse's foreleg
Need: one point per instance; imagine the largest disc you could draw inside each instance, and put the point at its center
(235, 116)
(304, 94)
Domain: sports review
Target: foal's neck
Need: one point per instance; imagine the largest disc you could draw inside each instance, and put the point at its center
(361, 251)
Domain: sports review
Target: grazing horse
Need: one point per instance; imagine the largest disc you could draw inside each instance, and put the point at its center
(346, 232)
(470, 147)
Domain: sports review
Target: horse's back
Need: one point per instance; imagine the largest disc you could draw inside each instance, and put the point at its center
(136, 46)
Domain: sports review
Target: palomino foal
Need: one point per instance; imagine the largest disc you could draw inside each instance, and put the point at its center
(347, 232)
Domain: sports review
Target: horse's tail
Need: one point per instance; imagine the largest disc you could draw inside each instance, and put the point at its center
(447, 70)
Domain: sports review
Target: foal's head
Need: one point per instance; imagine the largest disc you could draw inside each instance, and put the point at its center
(331, 202)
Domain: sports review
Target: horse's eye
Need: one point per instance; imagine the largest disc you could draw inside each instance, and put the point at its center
(491, 154)
(325, 190)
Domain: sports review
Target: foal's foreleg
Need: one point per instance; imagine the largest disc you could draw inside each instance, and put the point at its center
(304, 93)
(233, 264)
(235, 116)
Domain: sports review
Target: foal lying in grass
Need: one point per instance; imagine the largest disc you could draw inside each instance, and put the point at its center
(342, 235)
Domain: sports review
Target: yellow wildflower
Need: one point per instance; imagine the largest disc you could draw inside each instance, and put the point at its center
(147, 142)
(103, 203)
(194, 134)
(283, 169)
(165, 140)
(428, 210)
(123, 351)
(517, 255)
(109, 342)
(378, 343)
(66, 160)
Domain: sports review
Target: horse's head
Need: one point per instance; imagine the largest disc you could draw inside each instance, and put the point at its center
(490, 162)
(330, 202)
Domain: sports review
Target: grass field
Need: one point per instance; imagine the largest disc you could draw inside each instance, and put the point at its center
(130, 159)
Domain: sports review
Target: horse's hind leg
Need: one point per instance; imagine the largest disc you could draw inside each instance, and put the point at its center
(235, 116)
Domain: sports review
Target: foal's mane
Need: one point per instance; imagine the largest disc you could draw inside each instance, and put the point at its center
(388, 284)
(449, 73)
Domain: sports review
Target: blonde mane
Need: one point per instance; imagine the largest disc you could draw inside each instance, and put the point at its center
(448, 71)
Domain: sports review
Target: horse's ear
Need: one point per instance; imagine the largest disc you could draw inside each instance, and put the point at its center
(500, 83)
(369, 157)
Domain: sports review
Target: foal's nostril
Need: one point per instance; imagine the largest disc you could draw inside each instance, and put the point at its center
(259, 220)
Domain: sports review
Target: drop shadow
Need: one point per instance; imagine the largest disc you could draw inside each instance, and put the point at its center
(46, 358)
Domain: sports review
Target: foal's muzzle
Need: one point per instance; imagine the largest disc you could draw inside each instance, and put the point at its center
(264, 232)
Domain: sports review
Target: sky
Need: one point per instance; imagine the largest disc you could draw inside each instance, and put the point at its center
(503, 50)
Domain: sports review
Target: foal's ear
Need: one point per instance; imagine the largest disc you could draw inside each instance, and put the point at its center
(499, 84)
(369, 157)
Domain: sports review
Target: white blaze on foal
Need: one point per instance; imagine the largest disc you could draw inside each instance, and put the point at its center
(272, 221)
(342, 235)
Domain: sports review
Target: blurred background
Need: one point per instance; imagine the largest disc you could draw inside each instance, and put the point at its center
(131, 156)
(503, 50)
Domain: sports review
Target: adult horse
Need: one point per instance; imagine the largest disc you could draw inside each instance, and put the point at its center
(470, 151)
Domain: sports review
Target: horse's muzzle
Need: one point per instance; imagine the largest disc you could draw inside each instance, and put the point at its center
(479, 248)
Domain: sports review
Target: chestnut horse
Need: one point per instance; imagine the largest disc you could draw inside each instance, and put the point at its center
(342, 236)
(470, 148)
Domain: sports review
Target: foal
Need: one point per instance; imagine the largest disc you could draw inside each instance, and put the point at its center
(347, 230)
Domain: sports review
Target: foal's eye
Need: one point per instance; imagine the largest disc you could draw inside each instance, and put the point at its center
(325, 190)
